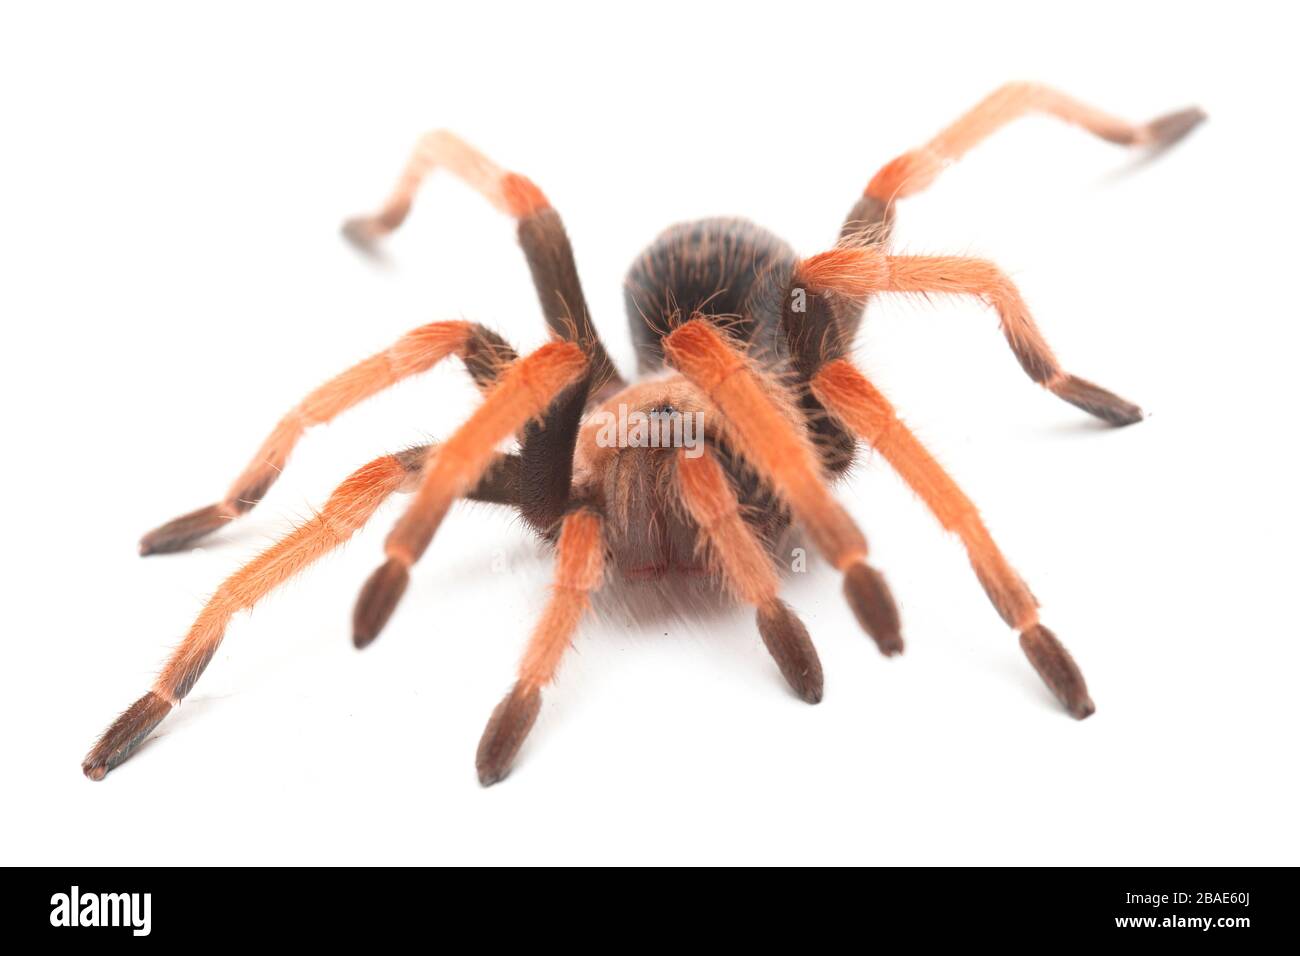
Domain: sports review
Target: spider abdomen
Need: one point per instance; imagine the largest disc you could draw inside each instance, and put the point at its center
(731, 270)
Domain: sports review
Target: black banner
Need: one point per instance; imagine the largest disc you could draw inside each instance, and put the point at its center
(1225, 907)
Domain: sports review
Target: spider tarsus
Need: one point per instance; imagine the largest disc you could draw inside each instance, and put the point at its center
(180, 532)
(125, 734)
(377, 600)
(874, 607)
(1058, 670)
(788, 642)
(1097, 401)
(364, 233)
(505, 733)
(1166, 130)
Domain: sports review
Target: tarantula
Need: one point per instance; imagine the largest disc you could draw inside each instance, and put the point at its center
(753, 336)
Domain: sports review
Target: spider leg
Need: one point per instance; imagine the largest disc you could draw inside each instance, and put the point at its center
(546, 448)
(847, 394)
(523, 392)
(916, 169)
(347, 510)
(579, 570)
(772, 438)
(747, 569)
(419, 350)
(541, 234)
(859, 271)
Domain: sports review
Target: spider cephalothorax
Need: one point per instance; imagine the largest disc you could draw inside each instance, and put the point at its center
(734, 330)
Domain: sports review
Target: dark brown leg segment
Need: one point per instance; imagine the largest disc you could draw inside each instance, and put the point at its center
(126, 733)
(1057, 669)
(788, 642)
(506, 732)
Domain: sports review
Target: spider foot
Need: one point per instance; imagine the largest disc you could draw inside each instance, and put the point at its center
(505, 733)
(1058, 670)
(126, 733)
(362, 232)
(1096, 400)
(874, 607)
(1166, 130)
(377, 601)
(787, 640)
(181, 532)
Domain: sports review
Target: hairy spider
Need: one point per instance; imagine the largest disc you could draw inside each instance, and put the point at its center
(754, 337)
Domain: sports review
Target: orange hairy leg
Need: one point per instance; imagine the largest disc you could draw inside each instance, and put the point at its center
(915, 170)
(541, 234)
(579, 570)
(523, 392)
(508, 192)
(858, 272)
(347, 509)
(419, 350)
(747, 569)
(775, 445)
(850, 397)
(548, 444)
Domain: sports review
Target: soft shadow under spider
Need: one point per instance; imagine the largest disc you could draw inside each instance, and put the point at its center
(1075, 428)
(1137, 163)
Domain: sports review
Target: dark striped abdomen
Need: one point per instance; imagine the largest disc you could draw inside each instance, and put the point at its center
(728, 269)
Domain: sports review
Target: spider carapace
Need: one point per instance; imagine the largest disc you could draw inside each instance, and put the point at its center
(734, 330)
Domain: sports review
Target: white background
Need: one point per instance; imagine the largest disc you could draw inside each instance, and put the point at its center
(173, 281)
